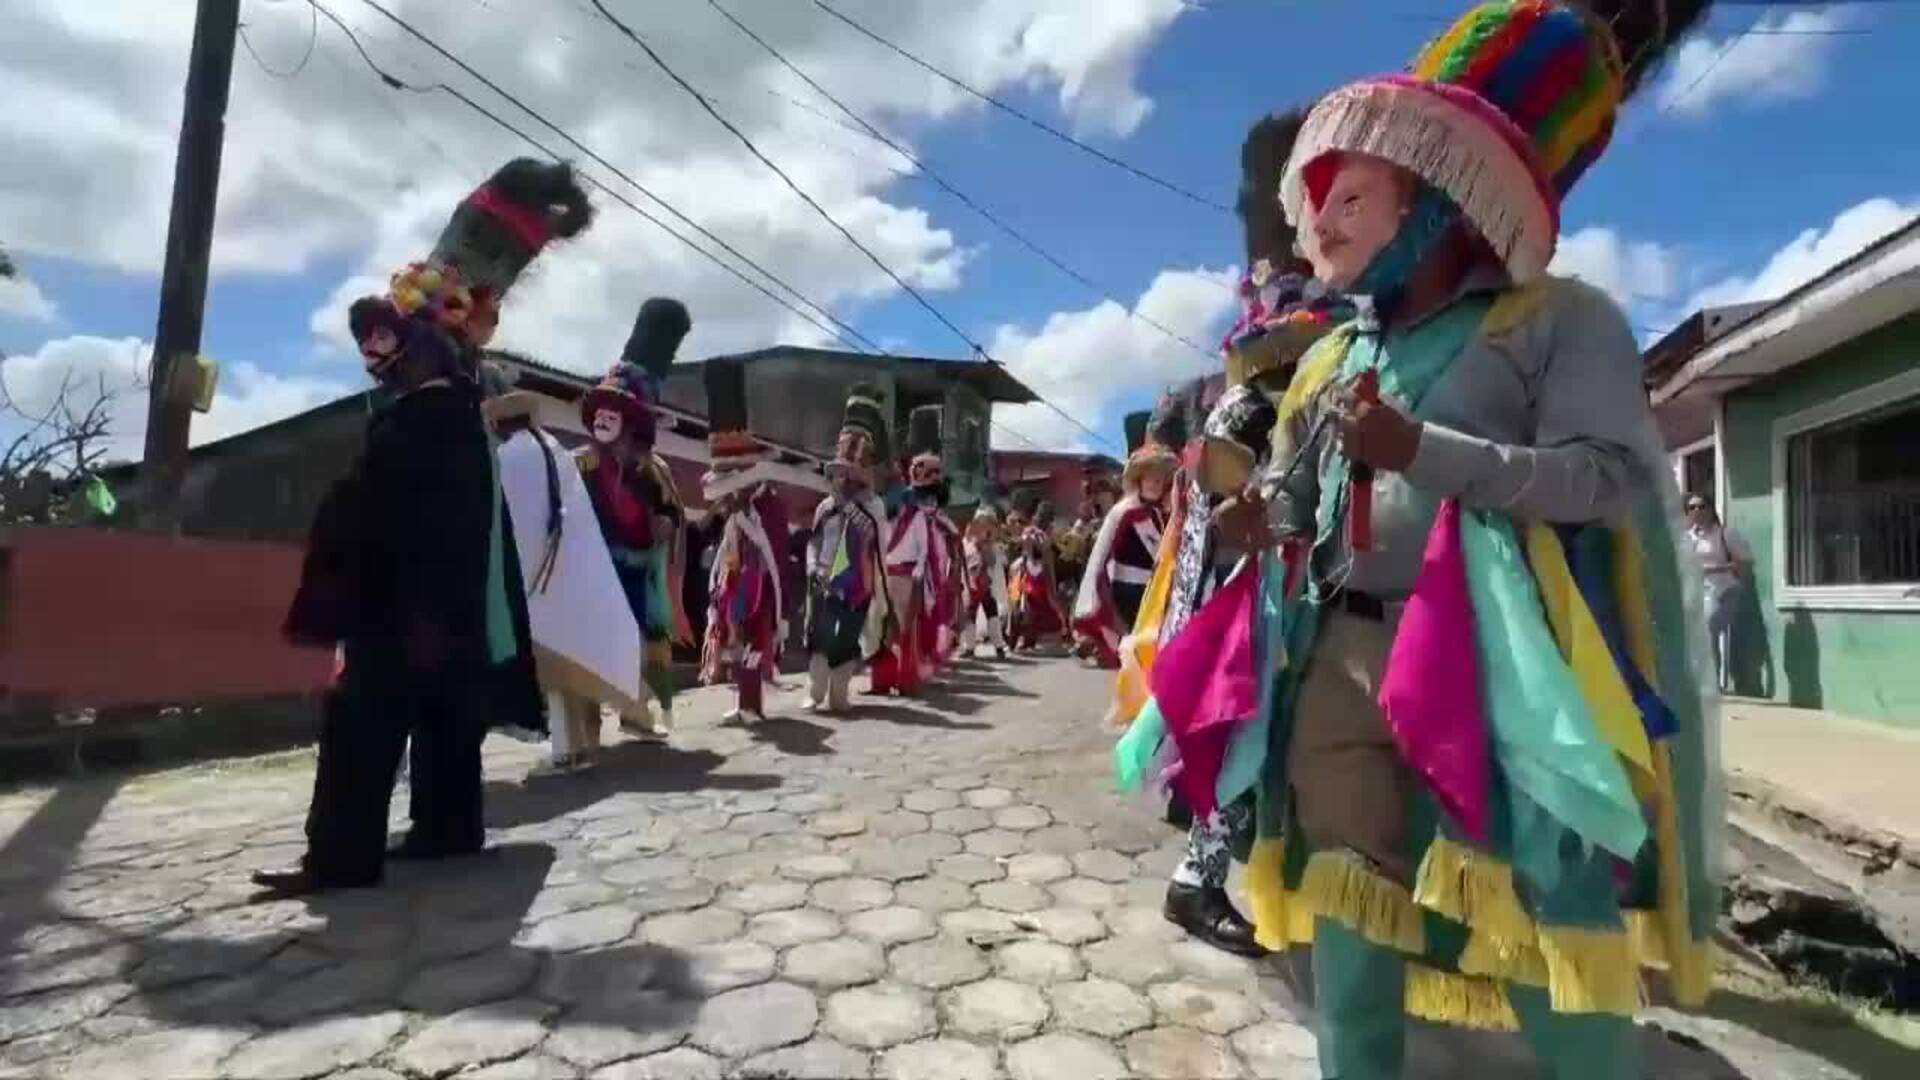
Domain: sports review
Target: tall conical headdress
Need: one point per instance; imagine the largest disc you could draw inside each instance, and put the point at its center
(732, 449)
(863, 428)
(924, 443)
(662, 324)
(507, 221)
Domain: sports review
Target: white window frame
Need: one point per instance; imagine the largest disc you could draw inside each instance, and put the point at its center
(1678, 459)
(1885, 597)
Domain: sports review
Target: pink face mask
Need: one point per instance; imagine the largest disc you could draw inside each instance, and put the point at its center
(606, 427)
(1356, 216)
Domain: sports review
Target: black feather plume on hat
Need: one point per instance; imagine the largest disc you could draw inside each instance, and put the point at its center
(1646, 30)
(1263, 158)
(663, 323)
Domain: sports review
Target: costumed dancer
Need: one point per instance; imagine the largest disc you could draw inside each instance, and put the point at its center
(913, 569)
(1230, 416)
(950, 578)
(411, 570)
(1119, 564)
(746, 624)
(1488, 628)
(1070, 552)
(986, 570)
(1033, 597)
(639, 507)
(847, 605)
(586, 641)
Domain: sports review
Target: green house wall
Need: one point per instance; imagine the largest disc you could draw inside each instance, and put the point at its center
(1861, 663)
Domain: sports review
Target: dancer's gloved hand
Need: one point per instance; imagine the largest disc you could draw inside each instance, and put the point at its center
(1242, 521)
(1375, 433)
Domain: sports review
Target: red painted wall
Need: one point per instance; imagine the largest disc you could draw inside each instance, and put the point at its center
(92, 618)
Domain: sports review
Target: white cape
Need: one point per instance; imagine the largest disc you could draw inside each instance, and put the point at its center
(585, 638)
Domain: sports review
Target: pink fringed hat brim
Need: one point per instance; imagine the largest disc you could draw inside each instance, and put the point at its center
(1450, 137)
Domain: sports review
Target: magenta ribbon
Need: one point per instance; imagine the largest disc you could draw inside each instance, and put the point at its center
(1205, 683)
(1431, 692)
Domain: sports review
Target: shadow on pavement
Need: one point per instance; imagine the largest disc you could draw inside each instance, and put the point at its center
(791, 735)
(40, 852)
(897, 712)
(630, 767)
(436, 939)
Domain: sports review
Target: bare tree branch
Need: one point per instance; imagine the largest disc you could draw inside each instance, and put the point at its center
(56, 450)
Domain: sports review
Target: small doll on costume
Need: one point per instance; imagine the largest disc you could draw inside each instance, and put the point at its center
(637, 505)
(985, 564)
(745, 614)
(1123, 555)
(846, 599)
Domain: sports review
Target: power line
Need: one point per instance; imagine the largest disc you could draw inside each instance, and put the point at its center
(313, 37)
(1028, 117)
(396, 83)
(868, 128)
(863, 345)
(417, 35)
(744, 140)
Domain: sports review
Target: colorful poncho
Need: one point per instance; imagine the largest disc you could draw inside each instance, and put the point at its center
(1544, 686)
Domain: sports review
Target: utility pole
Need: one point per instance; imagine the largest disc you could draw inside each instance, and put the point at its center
(183, 281)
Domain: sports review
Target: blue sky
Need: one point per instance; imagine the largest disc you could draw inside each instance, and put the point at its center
(1735, 174)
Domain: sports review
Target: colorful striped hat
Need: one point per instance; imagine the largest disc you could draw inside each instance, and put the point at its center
(1503, 112)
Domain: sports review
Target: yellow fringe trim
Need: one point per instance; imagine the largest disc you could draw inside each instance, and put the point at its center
(1494, 957)
(1268, 903)
(1591, 971)
(1446, 998)
(1340, 886)
(1473, 889)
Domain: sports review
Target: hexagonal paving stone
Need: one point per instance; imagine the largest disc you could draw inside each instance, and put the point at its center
(793, 843)
(848, 895)
(898, 823)
(961, 821)
(835, 964)
(988, 798)
(1141, 922)
(936, 894)
(681, 1064)
(892, 925)
(1102, 865)
(995, 1009)
(1050, 1057)
(715, 969)
(579, 897)
(969, 869)
(940, 1059)
(580, 929)
(1038, 963)
(1279, 1049)
(928, 845)
(314, 1049)
(838, 824)
(189, 1052)
(1059, 840)
(785, 929)
(981, 927)
(816, 868)
(709, 845)
(759, 897)
(332, 989)
(756, 1019)
(879, 1017)
(938, 963)
(476, 1036)
(812, 802)
(958, 781)
(735, 870)
(488, 976)
(1204, 963)
(1039, 869)
(1016, 897)
(1134, 961)
(1068, 926)
(752, 802)
(531, 1067)
(684, 930)
(1181, 1054)
(997, 843)
(596, 1038)
(887, 863)
(1100, 1007)
(662, 897)
(1216, 1011)
(928, 802)
(643, 871)
(821, 1059)
(1085, 893)
(1021, 818)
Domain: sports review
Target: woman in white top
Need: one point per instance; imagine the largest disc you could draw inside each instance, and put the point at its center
(1725, 561)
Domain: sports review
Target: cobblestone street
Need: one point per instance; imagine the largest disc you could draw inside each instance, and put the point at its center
(938, 889)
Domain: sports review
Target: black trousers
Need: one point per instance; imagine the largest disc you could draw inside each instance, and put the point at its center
(833, 628)
(366, 722)
(1127, 599)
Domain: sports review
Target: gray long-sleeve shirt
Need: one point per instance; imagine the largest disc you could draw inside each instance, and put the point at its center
(1536, 422)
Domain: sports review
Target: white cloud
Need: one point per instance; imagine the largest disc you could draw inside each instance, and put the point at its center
(1088, 361)
(1811, 254)
(1629, 271)
(329, 164)
(117, 368)
(22, 299)
(1789, 60)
